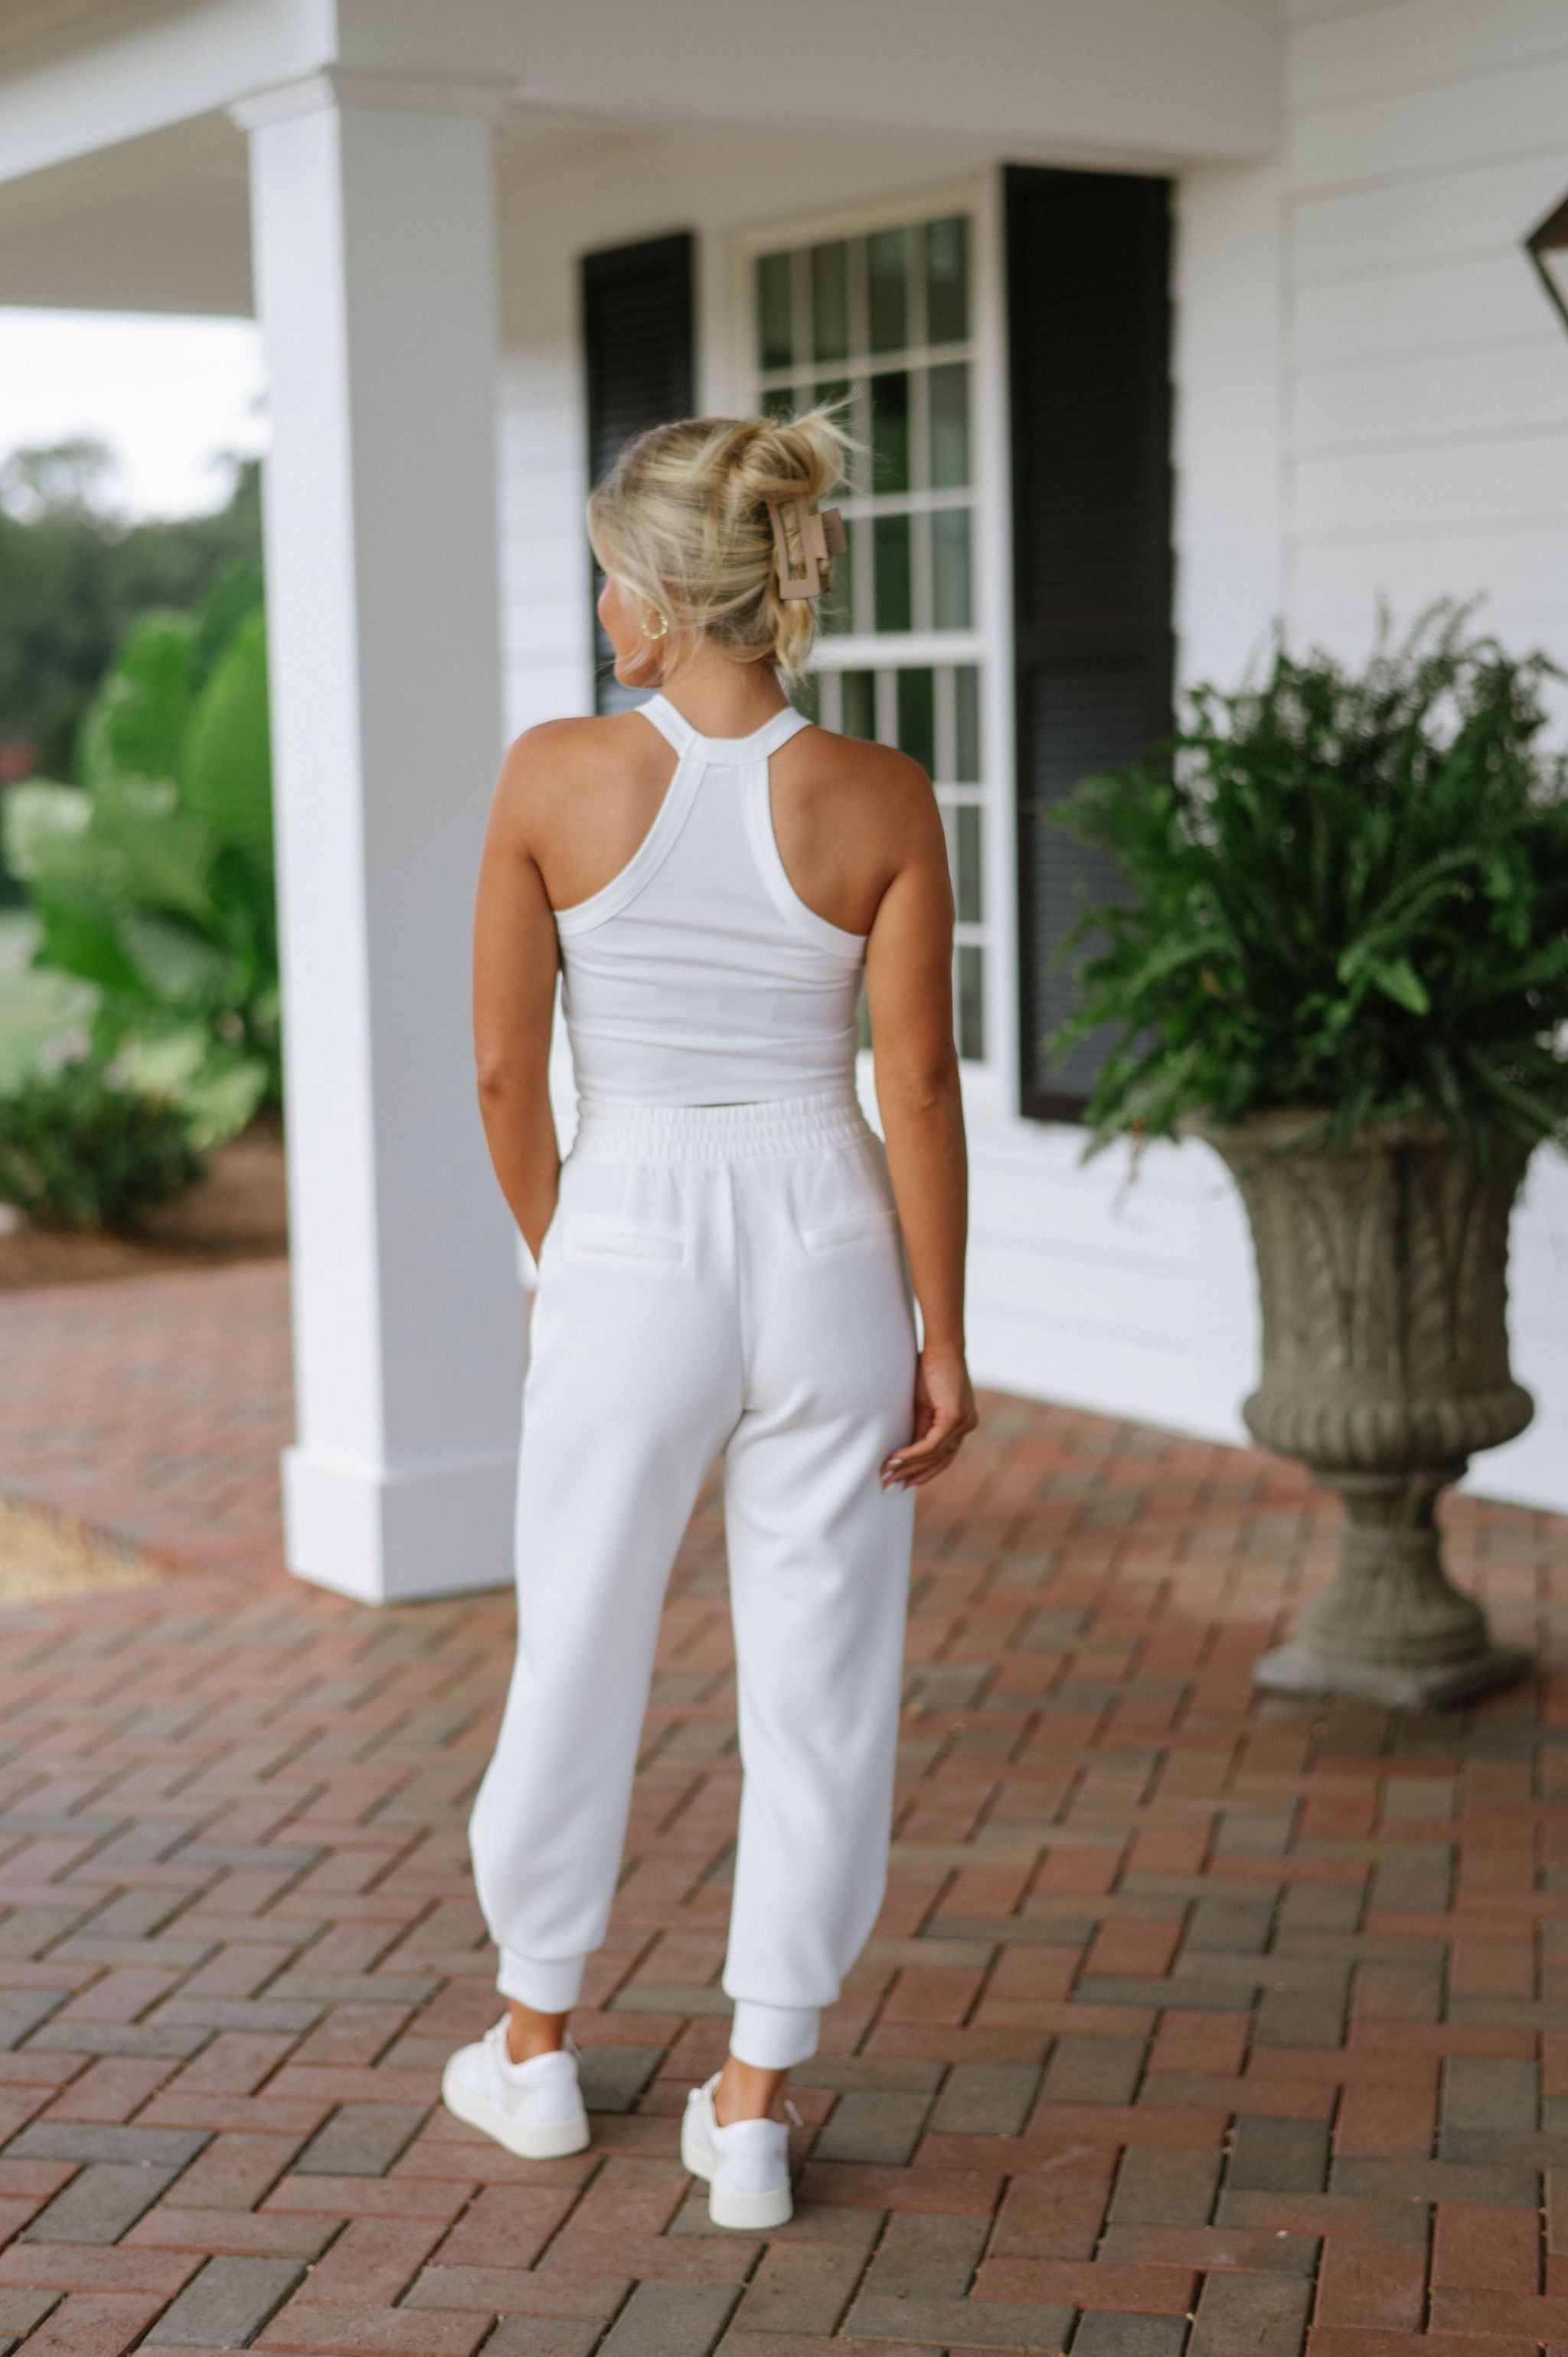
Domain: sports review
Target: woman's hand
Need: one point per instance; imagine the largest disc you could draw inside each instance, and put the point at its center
(944, 1417)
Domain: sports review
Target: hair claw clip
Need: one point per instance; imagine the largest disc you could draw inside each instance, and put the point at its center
(805, 541)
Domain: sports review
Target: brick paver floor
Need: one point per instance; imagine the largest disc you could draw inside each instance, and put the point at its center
(153, 1407)
(1195, 2025)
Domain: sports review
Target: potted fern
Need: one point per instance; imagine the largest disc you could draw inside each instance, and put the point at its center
(1342, 959)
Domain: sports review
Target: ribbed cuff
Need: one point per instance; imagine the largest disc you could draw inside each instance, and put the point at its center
(773, 2037)
(542, 1987)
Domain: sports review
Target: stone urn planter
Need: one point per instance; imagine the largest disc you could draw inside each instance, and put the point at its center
(1383, 1272)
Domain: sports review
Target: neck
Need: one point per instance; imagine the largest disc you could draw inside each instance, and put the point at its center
(720, 696)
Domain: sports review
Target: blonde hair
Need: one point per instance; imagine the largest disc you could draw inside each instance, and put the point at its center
(682, 521)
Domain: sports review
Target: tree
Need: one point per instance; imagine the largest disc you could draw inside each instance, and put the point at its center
(74, 576)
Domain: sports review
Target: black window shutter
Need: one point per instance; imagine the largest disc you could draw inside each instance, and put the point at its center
(638, 314)
(1089, 330)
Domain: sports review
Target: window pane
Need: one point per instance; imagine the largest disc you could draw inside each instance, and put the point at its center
(774, 324)
(972, 1004)
(890, 432)
(830, 301)
(887, 289)
(894, 596)
(966, 723)
(859, 692)
(952, 602)
(967, 887)
(918, 717)
(836, 396)
(806, 695)
(835, 606)
(950, 426)
(947, 280)
(778, 401)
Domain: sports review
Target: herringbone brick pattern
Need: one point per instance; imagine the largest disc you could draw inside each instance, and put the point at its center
(1195, 2026)
(155, 1407)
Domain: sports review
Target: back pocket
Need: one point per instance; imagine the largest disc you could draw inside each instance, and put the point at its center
(592, 1242)
(856, 1228)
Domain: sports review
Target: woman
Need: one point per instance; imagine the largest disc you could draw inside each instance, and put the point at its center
(720, 1268)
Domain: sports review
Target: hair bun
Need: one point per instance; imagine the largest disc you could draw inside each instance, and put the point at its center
(681, 519)
(802, 458)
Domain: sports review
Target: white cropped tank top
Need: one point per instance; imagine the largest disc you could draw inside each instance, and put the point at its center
(698, 975)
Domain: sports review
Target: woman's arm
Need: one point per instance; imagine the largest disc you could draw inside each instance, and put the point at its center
(515, 958)
(909, 982)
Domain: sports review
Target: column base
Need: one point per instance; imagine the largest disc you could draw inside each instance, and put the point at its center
(1297, 1669)
(394, 1538)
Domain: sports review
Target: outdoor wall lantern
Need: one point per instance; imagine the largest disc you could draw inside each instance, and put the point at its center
(1547, 246)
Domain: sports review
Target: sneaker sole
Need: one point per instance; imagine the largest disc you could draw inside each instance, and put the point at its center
(750, 2211)
(745, 2211)
(544, 2141)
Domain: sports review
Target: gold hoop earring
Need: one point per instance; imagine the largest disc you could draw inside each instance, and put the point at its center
(662, 632)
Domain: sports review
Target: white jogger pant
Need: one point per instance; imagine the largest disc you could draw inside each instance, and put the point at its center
(716, 1279)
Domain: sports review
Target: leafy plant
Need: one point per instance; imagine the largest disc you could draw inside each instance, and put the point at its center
(80, 1150)
(151, 877)
(1345, 892)
(44, 1016)
(74, 575)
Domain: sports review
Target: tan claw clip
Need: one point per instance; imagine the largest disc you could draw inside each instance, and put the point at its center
(806, 540)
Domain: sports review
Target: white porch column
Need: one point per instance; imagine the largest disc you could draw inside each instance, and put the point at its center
(374, 234)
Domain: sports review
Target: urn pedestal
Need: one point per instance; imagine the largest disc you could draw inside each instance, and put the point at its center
(1383, 1272)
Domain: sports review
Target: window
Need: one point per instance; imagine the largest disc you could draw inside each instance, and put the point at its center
(881, 327)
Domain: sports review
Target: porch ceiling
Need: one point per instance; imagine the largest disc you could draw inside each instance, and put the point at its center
(1166, 80)
(159, 224)
(28, 26)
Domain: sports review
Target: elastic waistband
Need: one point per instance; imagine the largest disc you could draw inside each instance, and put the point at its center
(738, 1133)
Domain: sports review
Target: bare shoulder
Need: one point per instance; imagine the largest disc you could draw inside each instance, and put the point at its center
(850, 817)
(887, 795)
(574, 748)
(558, 765)
(860, 763)
(854, 771)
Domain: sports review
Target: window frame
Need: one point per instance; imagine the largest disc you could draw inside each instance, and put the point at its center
(987, 642)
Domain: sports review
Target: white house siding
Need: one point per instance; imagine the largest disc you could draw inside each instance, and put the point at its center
(1427, 415)
(1428, 376)
(1372, 396)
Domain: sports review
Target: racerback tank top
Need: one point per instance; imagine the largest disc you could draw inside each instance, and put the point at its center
(698, 975)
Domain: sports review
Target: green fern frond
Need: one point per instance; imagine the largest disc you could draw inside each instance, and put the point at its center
(1348, 889)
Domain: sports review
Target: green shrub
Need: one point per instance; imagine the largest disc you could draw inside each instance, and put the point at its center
(80, 1150)
(1345, 892)
(151, 880)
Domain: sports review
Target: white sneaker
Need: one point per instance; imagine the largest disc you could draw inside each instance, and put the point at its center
(535, 2108)
(747, 2165)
